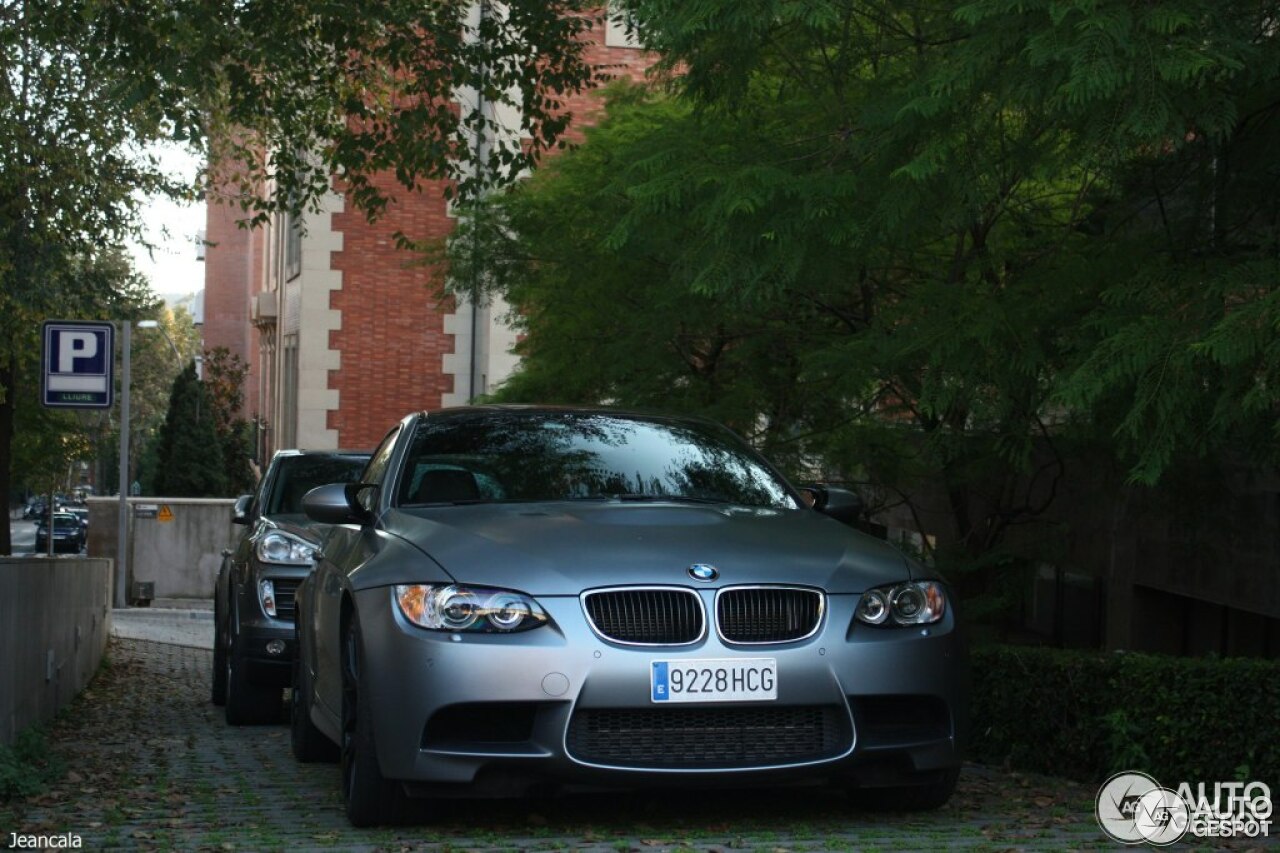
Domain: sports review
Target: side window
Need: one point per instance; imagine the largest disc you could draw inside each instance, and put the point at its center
(376, 472)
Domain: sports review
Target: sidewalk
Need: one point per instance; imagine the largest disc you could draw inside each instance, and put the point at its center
(179, 622)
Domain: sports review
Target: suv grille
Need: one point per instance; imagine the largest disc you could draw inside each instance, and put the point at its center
(768, 614)
(708, 738)
(646, 616)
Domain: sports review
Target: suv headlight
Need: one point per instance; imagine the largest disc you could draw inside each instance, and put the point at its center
(455, 607)
(913, 603)
(285, 549)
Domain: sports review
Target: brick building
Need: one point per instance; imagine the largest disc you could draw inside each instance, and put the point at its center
(343, 335)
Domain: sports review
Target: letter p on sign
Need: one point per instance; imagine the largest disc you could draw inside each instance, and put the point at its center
(74, 345)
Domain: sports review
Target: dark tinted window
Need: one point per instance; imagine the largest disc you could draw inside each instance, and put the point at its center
(377, 470)
(297, 475)
(489, 456)
(62, 523)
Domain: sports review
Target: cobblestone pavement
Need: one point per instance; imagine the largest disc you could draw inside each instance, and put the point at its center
(152, 765)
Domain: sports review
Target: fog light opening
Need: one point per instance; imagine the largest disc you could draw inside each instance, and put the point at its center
(275, 647)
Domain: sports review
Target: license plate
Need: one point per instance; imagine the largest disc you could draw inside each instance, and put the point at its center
(714, 680)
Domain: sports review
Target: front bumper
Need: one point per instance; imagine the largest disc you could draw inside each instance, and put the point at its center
(267, 645)
(499, 714)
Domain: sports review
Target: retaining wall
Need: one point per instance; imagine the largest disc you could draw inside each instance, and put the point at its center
(55, 617)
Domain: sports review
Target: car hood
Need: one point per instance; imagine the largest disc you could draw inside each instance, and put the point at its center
(561, 548)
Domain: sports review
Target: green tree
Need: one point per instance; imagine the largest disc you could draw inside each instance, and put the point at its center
(224, 374)
(986, 233)
(189, 453)
(367, 89)
(1105, 159)
(70, 181)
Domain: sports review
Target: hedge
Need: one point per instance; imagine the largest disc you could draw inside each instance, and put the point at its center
(1086, 715)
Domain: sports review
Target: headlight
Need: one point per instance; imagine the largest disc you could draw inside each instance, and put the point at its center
(914, 603)
(277, 547)
(454, 607)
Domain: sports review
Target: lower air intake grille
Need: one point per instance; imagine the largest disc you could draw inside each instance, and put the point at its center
(708, 738)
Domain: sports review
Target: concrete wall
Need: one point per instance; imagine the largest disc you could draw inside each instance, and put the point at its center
(55, 617)
(179, 550)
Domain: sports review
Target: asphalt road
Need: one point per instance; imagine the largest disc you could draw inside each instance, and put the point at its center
(22, 536)
(150, 764)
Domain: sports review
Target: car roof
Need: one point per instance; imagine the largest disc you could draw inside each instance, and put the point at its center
(298, 451)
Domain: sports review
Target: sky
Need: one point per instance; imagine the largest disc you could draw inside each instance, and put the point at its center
(172, 268)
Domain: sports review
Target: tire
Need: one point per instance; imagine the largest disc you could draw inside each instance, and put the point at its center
(248, 703)
(370, 798)
(309, 744)
(909, 798)
(218, 695)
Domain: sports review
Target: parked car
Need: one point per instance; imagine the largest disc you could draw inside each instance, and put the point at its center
(515, 598)
(253, 600)
(81, 512)
(38, 507)
(68, 533)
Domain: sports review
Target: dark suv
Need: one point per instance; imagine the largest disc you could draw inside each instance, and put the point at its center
(253, 644)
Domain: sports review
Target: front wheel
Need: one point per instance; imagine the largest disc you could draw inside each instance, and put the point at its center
(371, 799)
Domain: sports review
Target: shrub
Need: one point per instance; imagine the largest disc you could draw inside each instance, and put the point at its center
(1085, 715)
(27, 766)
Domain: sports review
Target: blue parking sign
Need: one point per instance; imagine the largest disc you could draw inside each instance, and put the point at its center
(78, 365)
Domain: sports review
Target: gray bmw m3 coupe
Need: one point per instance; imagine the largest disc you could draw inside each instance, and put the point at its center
(517, 599)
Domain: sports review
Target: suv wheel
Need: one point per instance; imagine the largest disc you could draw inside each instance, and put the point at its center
(218, 695)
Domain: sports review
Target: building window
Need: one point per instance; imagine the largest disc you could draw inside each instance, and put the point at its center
(619, 32)
(292, 246)
(287, 423)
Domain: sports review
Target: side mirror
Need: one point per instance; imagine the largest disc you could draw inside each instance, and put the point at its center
(240, 512)
(844, 505)
(336, 503)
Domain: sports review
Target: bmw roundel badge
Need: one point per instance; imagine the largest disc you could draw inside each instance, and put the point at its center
(703, 572)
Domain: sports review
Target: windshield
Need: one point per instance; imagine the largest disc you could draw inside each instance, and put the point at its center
(297, 475)
(539, 456)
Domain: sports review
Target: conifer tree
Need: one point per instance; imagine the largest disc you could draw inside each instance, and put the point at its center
(189, 457)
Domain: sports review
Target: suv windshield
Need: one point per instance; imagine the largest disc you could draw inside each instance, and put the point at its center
(297, 475)
(539, 456)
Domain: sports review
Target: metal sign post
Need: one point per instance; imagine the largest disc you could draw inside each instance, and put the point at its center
(122, 521)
